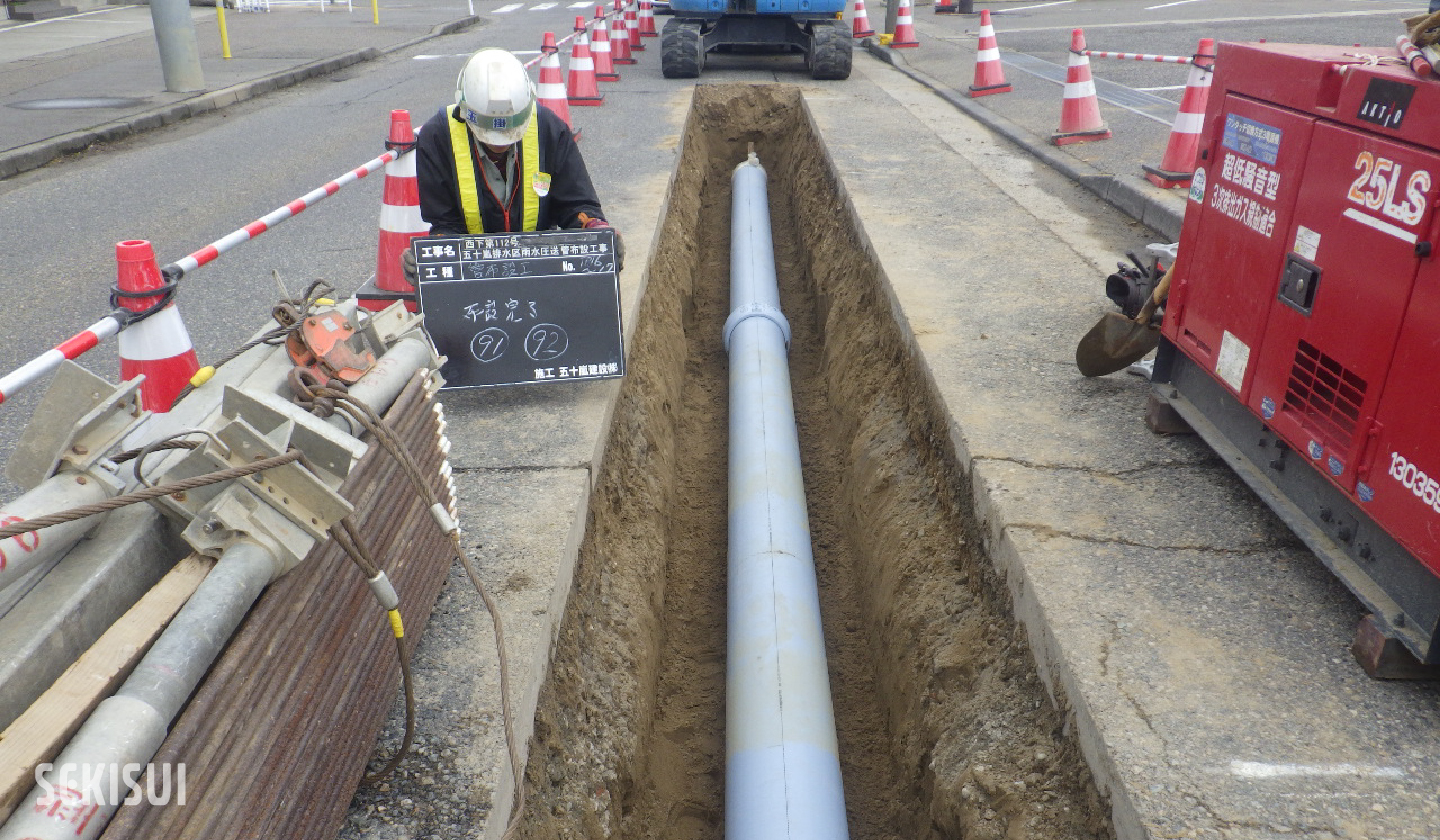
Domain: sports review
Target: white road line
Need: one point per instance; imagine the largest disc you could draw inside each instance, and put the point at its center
(581, 5)
(68, 17)
(540, 7)
(1404, 12)
(1168, 5)
(1266, 770)
(503, 9)
(1169, 87)
(1028, 8)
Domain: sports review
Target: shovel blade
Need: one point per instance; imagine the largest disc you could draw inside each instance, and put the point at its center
(1113, 344)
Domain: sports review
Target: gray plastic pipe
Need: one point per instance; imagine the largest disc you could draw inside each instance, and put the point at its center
(100, 766)
(19, 555)
(782, 773)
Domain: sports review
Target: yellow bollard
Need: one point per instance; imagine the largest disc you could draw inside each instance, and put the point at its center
(224, 36)
(375, 11)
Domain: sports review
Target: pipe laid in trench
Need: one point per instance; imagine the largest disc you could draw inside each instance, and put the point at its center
(782, 774)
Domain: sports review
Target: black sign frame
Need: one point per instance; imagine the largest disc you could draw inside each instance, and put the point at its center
(522, 308)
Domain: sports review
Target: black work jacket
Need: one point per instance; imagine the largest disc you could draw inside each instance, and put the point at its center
(570, 193)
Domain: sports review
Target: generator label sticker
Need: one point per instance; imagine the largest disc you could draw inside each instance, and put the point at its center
(1234, 358)
(1385, 186)
(1385, 103)
(1252, 139)
(1416, 480)
(1197, 186)
(1307, 242)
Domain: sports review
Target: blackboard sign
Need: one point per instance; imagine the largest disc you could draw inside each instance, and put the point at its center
(522, 308)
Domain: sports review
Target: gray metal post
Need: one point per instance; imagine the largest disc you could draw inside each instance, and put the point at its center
(892, 15)
(179, 51)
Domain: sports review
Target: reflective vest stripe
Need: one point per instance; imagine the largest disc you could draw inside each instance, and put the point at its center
(468, 182)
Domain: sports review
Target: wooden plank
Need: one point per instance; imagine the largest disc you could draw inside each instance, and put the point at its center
(46, 727)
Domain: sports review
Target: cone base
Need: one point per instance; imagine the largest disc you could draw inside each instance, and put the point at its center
(1066, 138)
(374, 299)
(607, 77)
(986, 90)
(649, 34)
(1166, 179)
(586, 100)
(623, 61)
(904, 43)
(952, 9)
(863, 34)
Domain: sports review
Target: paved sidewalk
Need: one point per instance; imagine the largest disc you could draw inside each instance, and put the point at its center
(109, 56)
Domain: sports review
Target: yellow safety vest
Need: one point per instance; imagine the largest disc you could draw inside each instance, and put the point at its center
(465, 172)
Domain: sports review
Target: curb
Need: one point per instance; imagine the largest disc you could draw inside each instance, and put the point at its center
(1132, 199)
(37, 154)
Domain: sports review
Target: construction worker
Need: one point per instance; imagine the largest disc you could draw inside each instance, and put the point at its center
(498, 161)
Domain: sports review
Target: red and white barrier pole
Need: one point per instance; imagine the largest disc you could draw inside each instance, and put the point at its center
(71, 348)
(1164, 59)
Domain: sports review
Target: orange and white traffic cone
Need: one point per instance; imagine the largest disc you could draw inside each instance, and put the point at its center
(158, 347)
(620, 41)
(989, 75)
(604, 60)
(1177, 167)
(632, 25)
(580, 86)
(550, 90)
(1080, 120)
(647, 20)
(861, 21)
(904, 27)
(400, 221)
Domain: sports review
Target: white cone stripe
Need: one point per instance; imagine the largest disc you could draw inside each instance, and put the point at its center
(402, 219)
(1079, 90)
(403, 167)
(987, 55)
(1189, 123)
(161, 336)
(582, 64)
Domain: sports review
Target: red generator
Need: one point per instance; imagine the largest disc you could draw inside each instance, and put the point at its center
(1302, 331)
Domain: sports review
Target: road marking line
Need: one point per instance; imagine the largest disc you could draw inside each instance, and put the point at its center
(1168, 87)
(1266, 770)
(503, 9)
(1168, 5)
(1028, 8)
(1408, 11)
(540, 7)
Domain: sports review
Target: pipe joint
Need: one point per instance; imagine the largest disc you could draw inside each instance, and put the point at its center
(756, 310)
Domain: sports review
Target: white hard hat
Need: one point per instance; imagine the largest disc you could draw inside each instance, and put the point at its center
(495, 96)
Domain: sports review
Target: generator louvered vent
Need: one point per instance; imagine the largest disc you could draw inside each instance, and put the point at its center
(1325, 398)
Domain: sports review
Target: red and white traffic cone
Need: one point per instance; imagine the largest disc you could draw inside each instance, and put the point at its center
(400, 220)
(904, 27)
(989, 75)
(861, 22)
(632, 25)
(620, 41)
(158, 347)
(946, 7)
(1080, 113)
(580, 86)
(1177, 167)
(647, 20)
(550, 90)
(604, 60)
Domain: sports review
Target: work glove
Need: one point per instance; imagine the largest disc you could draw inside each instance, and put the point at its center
(588, 221)
(407, 264)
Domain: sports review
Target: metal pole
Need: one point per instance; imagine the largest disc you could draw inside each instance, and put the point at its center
(179, 52)
(98, 769)
(20, 554)
(782, 773)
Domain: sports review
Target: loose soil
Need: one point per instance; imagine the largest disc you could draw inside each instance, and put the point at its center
(945, 730)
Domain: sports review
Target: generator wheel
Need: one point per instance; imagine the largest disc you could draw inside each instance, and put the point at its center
(682, 55)
(831, 50)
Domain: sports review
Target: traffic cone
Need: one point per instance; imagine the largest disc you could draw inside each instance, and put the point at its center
(620, 41)
(1080, 113)
(647, 20)
(632, 25)
(604, 60)
(946, 7)
(580, 23)
(158, 347)
(989, 75)
(862, 21)
(904, 27)
(580, 87)
(1178, 165)
(550, 90)
(400, 221)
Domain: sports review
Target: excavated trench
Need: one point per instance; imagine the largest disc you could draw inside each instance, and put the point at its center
(945, 730)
